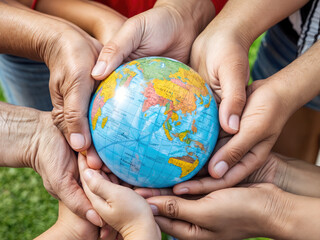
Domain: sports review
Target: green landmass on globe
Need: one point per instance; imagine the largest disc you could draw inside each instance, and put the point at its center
(154, 122)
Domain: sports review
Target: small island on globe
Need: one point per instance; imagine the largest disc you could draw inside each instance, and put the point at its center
(154, 122)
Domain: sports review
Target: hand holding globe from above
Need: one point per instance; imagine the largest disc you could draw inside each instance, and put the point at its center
(154, 122)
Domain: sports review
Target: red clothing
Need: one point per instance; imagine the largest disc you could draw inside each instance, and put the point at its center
(130, 8)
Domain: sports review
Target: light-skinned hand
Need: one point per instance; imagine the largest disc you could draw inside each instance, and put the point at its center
(168, 29)
(262, 120)
(233, 213)
(120, 207)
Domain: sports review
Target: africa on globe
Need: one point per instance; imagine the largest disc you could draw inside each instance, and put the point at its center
(154, 122)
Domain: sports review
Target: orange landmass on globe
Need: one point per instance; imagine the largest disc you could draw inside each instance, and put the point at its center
(186, 163)
(193, 127)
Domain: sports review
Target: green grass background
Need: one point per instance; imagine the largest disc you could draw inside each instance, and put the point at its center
(26, 209)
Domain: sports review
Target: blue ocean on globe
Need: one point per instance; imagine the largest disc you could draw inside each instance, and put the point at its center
(154, 122)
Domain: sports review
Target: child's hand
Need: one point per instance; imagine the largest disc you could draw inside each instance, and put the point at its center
(70, 226)
(120, 207)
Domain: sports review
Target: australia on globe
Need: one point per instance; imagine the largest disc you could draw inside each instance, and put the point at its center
(154, 122)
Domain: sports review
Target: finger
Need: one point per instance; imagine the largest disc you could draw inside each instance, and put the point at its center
(233, 79)
(105, 169)
(183, 230)
(108, 233)
(101, 187)
(114, 179)
(250, 162)
(175, 207)
(93, 159)
(73, 196)
(118, 48)
(233, 151)
(153, 192)
(76, 103)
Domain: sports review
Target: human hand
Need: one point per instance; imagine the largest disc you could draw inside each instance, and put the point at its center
(70, 58)
(234, 213)
(70, 226)
(120, 207)
(50, 155)
(168, 29)
(252, 144)
(221, 58)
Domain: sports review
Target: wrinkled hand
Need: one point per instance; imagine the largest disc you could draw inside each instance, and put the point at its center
(168, 29)
(233, 213)
(120, 207)
(70, 56)
(56, 163)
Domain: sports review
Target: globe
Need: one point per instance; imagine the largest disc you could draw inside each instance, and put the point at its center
(154, 122)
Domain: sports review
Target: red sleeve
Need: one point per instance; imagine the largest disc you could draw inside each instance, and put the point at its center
(218, 4)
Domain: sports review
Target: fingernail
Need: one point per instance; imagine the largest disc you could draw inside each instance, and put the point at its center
(88, 173)
(221, 168)
(181, 191)
(94, 218)
(234, 122)
(154, 209)
(77, 140)
(99, 68)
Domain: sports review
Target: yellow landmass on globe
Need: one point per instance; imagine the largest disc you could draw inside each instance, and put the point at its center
(95, 118)
(166, 131)
(104, 121)
(193, 81)
(186, 163)
(108, 88)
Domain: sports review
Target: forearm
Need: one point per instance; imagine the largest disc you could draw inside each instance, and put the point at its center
(299, 82)
(202, 12)
(299, 177)
(88, 15)
(295, 217)
(27, 33)
(18, 127)
(248, 19)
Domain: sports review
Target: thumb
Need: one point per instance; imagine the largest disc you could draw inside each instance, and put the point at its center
(233, 79)
(76, 103)
(174, 207)
(73, 196)
(118, 48)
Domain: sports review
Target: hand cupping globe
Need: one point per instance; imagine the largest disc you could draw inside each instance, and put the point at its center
(154, 122)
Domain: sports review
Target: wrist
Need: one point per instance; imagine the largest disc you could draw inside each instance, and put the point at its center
(142, 231)
(194, 12)
(276, 219)
(18, 126)
(298, 177)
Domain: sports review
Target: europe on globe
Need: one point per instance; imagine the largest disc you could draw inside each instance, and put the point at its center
(154, 122)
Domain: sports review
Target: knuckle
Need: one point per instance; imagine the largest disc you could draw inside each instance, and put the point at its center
(234, 155)
(110, 48)
(172, 208)
(72, 116)
(95, 186)
(194, 232)
(239, 98)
